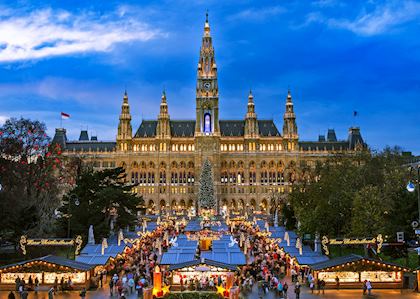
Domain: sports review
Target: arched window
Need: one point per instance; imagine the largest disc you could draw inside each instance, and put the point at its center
(207, 123)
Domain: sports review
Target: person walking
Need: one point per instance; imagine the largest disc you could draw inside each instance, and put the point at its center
(337, 282)
(285, 288)
(323, 286)
(297, 290)
(11, 295)
(24, 294)
(280, 289)
(111, 287)
(51, 293)
(312, 286)
(36, 285)
(369, 287)
(83, 293)
(101, 277)
(364, 287)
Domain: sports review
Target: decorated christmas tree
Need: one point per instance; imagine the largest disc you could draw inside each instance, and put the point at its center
(206, 200)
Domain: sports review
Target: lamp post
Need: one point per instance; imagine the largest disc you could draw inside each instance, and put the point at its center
(73, 199)
(412, 188)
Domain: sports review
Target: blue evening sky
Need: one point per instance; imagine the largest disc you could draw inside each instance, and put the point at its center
(336, 56)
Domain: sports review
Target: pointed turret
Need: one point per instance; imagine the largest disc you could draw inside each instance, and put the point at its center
(251, 124)
(163, 126)
(290, 134)
(207, 92)
(124, 127)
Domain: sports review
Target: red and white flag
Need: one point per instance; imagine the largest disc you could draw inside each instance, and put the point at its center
(65, 115)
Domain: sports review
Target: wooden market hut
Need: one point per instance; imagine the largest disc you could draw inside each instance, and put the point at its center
(47, 269)
(198, 268)
(353, 270)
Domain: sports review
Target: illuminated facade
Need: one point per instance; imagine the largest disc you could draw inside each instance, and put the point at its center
(251, 158)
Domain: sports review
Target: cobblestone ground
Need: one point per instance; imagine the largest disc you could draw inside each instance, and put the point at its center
(329, 294)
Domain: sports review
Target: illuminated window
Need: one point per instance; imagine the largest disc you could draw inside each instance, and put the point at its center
(207, 123)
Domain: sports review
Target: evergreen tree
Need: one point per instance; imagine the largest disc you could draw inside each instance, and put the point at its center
(102, 197)
(206, 198)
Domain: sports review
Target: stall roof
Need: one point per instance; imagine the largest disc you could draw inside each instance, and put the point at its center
(349, 259)
(292, 250)
(200, 262)
(96, 249)
(231, 258)
(193, 226)
(310, 260)
(171, 258)
(94, 259)
(57, 260)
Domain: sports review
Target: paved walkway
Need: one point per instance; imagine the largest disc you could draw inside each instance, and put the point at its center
(329, 294)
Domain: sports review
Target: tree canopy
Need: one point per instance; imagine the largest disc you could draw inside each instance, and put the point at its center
(102, 196)
(30, 175)
(356, 195)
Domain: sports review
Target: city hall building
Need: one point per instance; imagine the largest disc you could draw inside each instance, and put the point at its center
(251, 158)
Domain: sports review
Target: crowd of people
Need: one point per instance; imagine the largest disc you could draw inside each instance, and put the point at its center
(267, 267)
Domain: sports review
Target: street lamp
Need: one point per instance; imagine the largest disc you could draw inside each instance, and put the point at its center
(411, 187)
(73, 199)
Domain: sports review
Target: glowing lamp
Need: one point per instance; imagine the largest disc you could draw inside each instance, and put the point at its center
(157, 281)
(411, 187)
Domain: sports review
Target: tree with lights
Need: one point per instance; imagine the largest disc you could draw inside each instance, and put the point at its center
(206, 199)
(30, 172)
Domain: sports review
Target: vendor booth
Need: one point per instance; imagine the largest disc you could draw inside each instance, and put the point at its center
(47, 269)
(353, 270)
(199, 269)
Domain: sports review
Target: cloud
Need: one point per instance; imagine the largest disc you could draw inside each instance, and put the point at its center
(381, 19)
(253, 14)
(47, 32)
(3, 119)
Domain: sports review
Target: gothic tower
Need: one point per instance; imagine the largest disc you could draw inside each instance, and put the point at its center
(207, 92)
(290, 134)
(124, 126)
(163, 128)
(251, 124)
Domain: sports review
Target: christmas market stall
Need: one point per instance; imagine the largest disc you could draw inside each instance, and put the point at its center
(199, 270)
(353, 270)
(46, 270)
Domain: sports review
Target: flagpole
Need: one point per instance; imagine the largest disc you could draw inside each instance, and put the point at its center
(61, 121)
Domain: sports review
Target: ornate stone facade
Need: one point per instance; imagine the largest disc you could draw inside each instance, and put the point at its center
(251, 159)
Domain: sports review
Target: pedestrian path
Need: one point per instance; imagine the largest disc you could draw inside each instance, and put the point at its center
(329, 294)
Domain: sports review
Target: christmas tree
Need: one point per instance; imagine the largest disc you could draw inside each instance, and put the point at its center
(206, 198)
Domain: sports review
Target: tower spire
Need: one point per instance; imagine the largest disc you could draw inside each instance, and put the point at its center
(163, 126)
(207, 93)
(290, 133)
(124, 126)
(207, 25)
(251, 124)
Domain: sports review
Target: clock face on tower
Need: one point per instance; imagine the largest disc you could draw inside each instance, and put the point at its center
(207, 86)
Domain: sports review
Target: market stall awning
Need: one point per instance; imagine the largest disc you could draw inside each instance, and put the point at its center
(353, 259)
(229, 258)
(97, 260)
(51, 259)
(201, 263)
(310, 260)
(177, 257)
(96, 249)
(193, 226)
